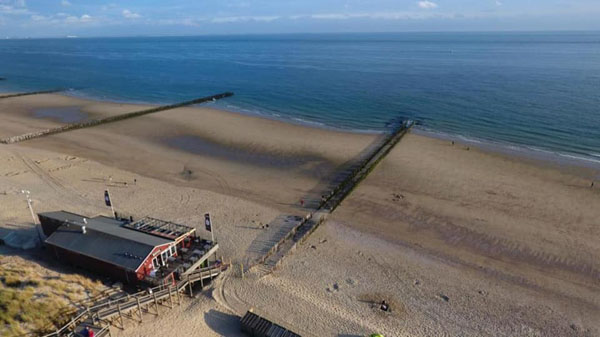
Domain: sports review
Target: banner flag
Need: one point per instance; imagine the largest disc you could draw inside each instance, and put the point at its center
(107, 199)
(207, 223)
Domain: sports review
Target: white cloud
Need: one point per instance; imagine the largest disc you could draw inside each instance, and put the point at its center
(230, 19)
(109, 6)
(36, 17)
(498, 3)
(65, 3)
(375, 15)
(11, 10)
(82, 19)
(130, 15)
(427, 4)
(14, 7)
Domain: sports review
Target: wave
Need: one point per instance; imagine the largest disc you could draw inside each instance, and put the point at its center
(587, 159)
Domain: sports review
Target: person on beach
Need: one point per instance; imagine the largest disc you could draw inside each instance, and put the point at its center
(302, 202)
(384, 306)
(88, 332)
(592, 185)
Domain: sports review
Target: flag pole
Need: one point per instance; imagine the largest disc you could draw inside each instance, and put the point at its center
(111, 202)
(212, 232)
(35, 220)
(28, 196)
(111, 206)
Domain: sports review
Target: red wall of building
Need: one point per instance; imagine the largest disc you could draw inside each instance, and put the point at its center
(146, 266)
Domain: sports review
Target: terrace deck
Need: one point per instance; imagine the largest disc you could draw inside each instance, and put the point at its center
(187, 260)
(160, 228)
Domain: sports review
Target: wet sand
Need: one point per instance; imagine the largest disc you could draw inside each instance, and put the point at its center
(264, 160)
(62, 115)
(460, 242)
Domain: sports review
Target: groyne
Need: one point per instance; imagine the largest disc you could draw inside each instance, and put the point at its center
(330, 201)
(53, 91)
(112, 119)
(335, 197)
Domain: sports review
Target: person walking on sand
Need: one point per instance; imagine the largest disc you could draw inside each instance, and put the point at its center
(88, 332)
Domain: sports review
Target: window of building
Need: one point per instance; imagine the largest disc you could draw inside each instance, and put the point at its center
(164, 255)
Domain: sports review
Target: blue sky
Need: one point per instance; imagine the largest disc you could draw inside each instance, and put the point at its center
(40, 18)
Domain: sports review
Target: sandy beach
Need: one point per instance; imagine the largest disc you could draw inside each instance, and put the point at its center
(459, 241)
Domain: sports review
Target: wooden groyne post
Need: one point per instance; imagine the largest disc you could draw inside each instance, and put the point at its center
(112, 119)
(342, 190)
(32, 93)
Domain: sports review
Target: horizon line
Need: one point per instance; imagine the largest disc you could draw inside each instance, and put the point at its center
(298, 33)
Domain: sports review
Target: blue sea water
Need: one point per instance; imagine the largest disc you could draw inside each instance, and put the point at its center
(537, 90)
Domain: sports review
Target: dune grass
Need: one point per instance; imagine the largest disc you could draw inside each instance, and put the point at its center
(34, 299)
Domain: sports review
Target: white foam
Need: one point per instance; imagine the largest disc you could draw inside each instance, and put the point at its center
(579, 158)
(304, 121)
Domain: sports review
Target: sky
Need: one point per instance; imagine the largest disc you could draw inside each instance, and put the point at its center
(59, 18)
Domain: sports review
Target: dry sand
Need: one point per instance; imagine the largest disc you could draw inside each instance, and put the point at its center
(511, 244)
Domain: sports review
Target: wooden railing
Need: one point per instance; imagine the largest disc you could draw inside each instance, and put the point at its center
(151, 296)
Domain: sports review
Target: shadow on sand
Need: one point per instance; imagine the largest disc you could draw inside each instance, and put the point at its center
(223, 324)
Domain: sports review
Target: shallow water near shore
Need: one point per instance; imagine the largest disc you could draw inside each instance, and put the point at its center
(63, 115)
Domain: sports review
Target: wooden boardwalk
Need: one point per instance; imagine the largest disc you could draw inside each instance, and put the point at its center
(268, 240)
(108, 311)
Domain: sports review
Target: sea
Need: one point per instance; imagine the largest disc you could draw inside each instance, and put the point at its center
(533, 92)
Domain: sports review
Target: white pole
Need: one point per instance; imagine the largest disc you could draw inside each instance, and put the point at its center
(35, 220)
(212, 232)
(28, 197)
(111, 200)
